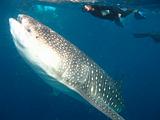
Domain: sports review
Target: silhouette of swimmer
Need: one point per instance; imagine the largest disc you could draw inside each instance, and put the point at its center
(154, 36)
(112, 13)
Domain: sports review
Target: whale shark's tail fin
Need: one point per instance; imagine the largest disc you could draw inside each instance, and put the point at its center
(141, 35)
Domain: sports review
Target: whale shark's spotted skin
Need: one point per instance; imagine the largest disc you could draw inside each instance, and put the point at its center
(71, 67)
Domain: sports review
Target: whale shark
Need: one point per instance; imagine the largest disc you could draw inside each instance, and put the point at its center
(64, 66)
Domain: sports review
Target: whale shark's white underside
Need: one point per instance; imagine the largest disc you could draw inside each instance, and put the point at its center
(64, 66)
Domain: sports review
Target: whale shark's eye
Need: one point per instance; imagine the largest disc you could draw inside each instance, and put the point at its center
(29, 30)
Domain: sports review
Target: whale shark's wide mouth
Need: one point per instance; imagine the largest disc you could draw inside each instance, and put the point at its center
(21, 20)
(19, 30)
(16, 21)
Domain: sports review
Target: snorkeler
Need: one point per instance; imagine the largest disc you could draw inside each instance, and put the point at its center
(154, 36)
(112, 13)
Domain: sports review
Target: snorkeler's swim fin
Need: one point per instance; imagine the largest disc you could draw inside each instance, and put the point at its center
(141, 35)
(139, 15)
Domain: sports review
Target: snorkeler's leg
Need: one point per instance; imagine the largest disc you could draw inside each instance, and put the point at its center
(119, 22)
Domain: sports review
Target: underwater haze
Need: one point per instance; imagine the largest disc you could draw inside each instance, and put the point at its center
(133, 61)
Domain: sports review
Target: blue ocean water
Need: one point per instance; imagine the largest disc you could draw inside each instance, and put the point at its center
(24, 95)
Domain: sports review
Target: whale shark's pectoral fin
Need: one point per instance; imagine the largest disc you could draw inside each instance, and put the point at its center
(103, 93)
(107, 105)
(101, 105)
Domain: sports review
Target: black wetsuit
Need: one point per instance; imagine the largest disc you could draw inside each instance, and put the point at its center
(113, 12)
